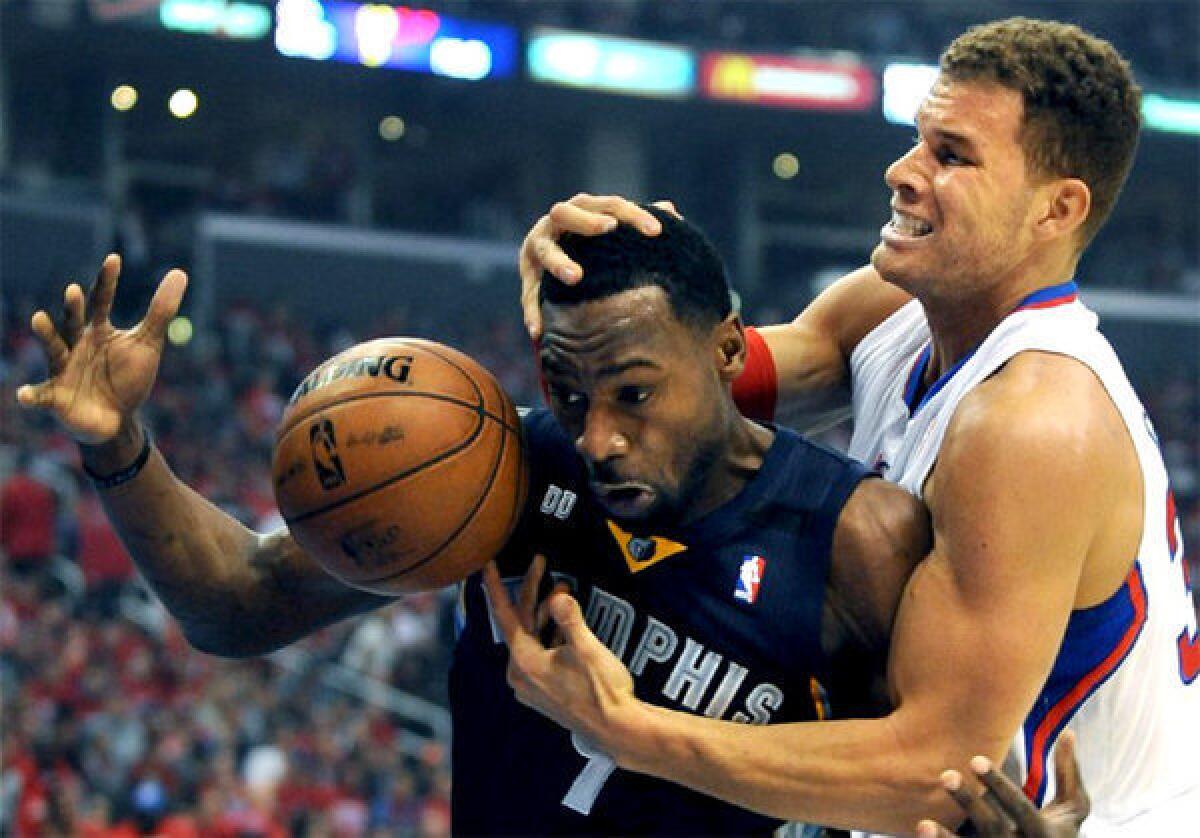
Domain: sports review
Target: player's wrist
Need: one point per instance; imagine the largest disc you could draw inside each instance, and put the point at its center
(116, 455)
(635, 732)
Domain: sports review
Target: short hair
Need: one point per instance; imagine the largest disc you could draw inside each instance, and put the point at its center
(1082, 108)
(680, 260)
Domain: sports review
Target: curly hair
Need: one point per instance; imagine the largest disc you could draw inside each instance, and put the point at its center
(680, 260)
(1082, 108)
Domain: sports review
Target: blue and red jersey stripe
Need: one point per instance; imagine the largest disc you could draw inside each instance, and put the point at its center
(1097, 641)
(1054, 295)
(915, 398)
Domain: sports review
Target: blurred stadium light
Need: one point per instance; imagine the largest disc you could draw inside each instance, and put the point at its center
(1177, 116)
(376, 35)
(216, 17)
(840, 83)
(616, 65)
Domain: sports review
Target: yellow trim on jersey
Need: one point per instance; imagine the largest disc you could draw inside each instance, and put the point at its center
(664, 548)
(820, 699)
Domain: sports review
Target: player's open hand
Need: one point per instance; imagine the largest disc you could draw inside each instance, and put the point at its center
(587, 215)
(1003, 809)
(99, 374)
(577, 682)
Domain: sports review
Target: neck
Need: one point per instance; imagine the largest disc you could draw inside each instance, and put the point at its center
(736, 463)
(959, 324)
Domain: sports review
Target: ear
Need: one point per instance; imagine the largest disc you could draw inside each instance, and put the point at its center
(729, 347)
(1067, 202)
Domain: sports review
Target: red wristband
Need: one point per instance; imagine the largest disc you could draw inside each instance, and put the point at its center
(756, 389)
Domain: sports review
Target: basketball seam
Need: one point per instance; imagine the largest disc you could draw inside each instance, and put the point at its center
(428, 346)
(425, 394)
(470, 378)
(445, 455)
(467, 519)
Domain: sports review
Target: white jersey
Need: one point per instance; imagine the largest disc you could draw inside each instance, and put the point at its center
(1125, 679)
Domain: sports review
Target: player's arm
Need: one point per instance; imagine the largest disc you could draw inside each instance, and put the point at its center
(976, 633)
(234, 592)
(882, 533)
(808, 365)
(801, 374)
(1019, 494)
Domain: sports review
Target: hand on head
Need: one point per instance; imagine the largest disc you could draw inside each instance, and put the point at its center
(586, 215)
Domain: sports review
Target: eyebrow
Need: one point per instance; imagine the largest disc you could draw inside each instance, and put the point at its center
(950, 136)
(634, 363)
(552, 364)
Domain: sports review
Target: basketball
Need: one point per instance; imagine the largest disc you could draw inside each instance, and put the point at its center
(399, 465)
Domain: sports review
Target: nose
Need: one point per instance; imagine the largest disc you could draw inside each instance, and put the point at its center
(601, 439)
(906, 176)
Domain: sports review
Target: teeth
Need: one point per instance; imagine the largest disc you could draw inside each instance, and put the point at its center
(909, 226)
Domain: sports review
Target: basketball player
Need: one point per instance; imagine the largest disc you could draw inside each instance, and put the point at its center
(742, 572)
(1054, 593)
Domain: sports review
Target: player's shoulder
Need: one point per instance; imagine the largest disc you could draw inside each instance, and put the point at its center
(1044, 423)
(544, 436)
(550, 451)
(1037, 399)
(809, 470)
(879, 515)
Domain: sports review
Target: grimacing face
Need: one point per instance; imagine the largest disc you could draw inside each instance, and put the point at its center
(638, 392)
(963, 200)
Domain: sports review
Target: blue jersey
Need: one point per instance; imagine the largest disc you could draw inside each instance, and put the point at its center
(721, 618)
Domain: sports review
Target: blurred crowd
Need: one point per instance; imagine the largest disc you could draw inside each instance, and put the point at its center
(112, 726)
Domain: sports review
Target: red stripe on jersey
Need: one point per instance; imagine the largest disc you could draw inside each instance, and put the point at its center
(1172, 537)
(1069, 703)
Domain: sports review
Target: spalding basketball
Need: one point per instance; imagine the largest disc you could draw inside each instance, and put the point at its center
(399, 466)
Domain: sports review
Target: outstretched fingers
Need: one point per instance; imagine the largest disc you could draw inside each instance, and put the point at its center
(163, 307)
(37, 395)
(527, 602)
(52, 343)
(74, 303)
(504, 611)
(568, 619)
(103, 290)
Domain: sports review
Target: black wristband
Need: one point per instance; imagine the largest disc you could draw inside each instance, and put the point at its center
(109, 481)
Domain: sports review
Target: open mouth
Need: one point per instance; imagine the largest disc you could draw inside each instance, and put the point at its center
(903, 225)
(624, 498)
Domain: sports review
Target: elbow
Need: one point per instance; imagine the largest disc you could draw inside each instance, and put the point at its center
(233, 639)
(220, 644)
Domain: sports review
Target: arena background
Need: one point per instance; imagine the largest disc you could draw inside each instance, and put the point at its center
(320, 193)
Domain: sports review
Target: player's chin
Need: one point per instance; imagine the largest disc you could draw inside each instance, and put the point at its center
(898, 268)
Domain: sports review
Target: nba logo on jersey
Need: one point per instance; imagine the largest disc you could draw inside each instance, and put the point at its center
(749, 578)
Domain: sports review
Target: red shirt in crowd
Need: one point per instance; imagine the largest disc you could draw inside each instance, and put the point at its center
(27, 510)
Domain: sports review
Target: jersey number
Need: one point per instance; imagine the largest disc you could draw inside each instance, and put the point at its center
(1189, 639)
(586, 788)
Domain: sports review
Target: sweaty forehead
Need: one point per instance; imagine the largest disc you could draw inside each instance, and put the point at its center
(639, 321)
(981, 111)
